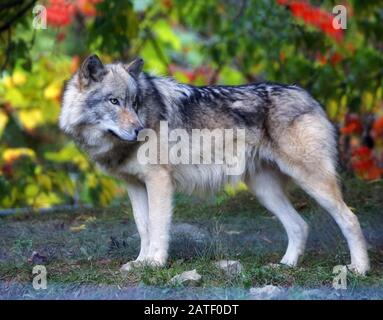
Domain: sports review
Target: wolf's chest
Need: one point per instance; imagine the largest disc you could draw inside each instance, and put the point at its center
(203, 178)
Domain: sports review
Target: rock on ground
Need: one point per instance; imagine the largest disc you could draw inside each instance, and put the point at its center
(188, 278)
(230, 267)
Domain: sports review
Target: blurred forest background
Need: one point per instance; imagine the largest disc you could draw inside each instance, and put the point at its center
(198, 42)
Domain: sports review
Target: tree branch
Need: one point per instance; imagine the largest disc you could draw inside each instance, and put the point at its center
(17, 16)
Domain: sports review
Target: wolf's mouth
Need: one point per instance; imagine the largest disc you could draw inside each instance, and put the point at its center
(125, 138)
(114, 134)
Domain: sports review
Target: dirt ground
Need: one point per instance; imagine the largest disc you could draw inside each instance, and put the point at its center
(83, 250)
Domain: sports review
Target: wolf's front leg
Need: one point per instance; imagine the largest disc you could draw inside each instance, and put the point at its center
(160, 193)
(139, 200)
(152, 210)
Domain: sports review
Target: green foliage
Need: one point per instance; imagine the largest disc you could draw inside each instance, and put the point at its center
(200, 42)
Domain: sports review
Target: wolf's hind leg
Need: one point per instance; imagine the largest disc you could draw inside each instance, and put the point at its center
(306, 152)
(268, 186)
(139, 199)
(323, 187)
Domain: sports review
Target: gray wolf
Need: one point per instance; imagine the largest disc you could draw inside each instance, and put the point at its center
(288, 137)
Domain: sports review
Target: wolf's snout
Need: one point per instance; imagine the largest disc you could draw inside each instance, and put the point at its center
(125, 134)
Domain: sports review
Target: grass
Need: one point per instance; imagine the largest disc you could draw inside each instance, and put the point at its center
(88, 247)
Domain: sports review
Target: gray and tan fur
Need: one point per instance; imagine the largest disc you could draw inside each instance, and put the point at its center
(288, 137)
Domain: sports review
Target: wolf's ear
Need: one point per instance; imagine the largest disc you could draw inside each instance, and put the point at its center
(135, 67)
(92, 69)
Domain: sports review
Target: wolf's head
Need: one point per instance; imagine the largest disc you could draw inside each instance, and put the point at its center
(100, 102)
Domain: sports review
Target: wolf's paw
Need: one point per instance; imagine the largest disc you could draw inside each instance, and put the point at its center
(277, 266)
(360, 269)
(274, 265)
(129, 266)
(289, 261)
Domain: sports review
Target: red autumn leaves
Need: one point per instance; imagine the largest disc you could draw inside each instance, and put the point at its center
(313, 16)
(353, 125)
(203, 73)
(60, 13)
(321, 20)
(365, 164)
(377, 128)
(364, 161)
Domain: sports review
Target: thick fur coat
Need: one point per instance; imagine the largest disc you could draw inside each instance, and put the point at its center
(106, 108)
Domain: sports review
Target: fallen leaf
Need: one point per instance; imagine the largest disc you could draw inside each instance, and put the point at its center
(78, 228)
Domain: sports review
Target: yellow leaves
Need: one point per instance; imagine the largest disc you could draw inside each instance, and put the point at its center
(31, 190)
(241, 186)
(332, 108)
(15, 98)
(12, 154)
(30, 99)
(81, 161)
(82, 222)
(69, 154)
(232, 190)
(45, 200)
(379, 93)
(90, 219)
(367, 100)
(14, 88)
(343, 106)
(38, 169)
(3, 121)
(108, 190)
(18, 78)
(232, 75)
(166, 34)
(78, 228)
(8, 83)
(67, 184)
(30, 119)
(103, 188)
(52, 91)
(91, 180)
(44, 181)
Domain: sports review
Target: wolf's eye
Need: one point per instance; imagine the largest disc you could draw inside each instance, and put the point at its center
(114, 101)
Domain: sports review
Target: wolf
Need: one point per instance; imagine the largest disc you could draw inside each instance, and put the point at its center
(105, 108)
